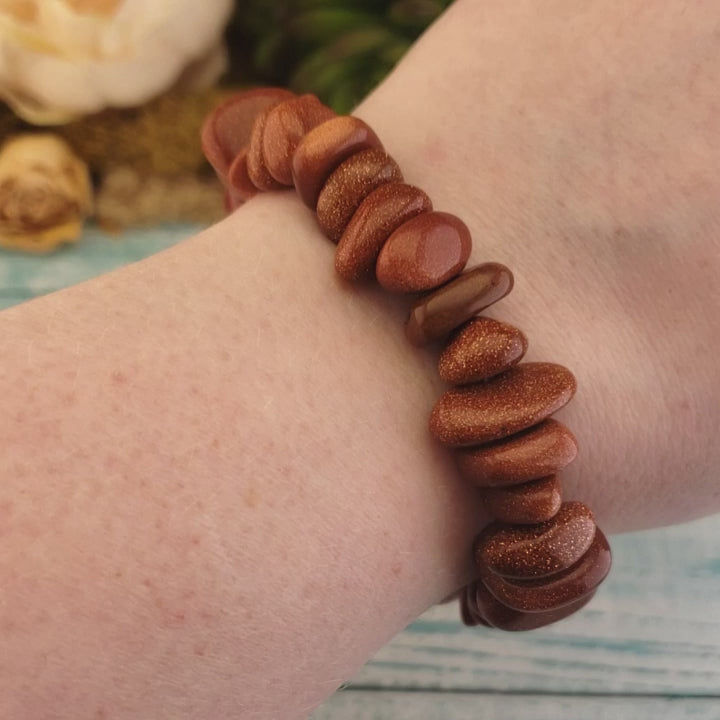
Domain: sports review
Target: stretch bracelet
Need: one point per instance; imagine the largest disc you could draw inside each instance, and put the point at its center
(541, 559)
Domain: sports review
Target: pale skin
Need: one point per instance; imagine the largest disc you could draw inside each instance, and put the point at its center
(219, 496)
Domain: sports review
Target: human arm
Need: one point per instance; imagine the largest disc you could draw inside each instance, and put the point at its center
(203, 452)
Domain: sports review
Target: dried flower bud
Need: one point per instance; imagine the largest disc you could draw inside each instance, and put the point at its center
(45, 193)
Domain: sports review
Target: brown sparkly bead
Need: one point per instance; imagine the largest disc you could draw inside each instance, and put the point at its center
(482, 348)
(383, 211)
(469, 610)
(256, 168)
(537, 452)
(239, 180)
(423, 253)
(530, 551)
(323, 148)
(285, 126)
(435, 315)
(527, 504)
(227, 129)
(349, 185)
(483, 608)
(506, 404)
(559, 590)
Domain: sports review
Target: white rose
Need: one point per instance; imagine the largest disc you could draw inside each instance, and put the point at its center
(64, 58)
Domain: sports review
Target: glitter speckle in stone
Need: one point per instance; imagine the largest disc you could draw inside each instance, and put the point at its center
(530, 551)
(480, 607)
(559, 590)
(423, 253)
(534, 453)
(482, 348)
(527, 504)
(502, 406)
(379, 215)
(323, 149)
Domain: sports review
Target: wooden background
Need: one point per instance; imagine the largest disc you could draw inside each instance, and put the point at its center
(647, 648)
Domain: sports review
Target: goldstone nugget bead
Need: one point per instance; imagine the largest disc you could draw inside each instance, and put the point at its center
(349, 185)
(527, 504)
(227, 129)
(384, 210)
(481, 606)
(285, 126)
(506, 404)
(482, 348)
(239, 180)
(530, 551)
(435, 315)
(323, 149)
(423, 253)
(537, 452)
(559, 590)
(257, 170)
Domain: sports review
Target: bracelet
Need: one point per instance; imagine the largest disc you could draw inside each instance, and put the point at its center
(541, 559)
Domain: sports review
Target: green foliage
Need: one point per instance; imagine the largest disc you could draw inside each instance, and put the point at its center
(336, 50)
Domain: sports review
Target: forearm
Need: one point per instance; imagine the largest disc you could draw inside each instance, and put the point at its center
(217, 480)
(220, 492)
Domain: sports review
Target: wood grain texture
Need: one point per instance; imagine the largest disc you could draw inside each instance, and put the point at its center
(364, 705)
(652, 632)
(24, 276)
(653, 628)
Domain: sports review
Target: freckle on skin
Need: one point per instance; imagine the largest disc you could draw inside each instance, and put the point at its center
(250, 496)
(396, 570)
(6, 511)
(118, 377)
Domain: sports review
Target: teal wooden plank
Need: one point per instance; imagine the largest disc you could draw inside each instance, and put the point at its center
(349, 705)
(23, 276)
(653, 628)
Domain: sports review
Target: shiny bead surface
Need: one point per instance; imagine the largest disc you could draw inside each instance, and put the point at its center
(349, 185)
(527, 504)
(423, 253)
(285, 126)
(482, 348)
(559, 590)
(481, 607)
(379, 214)
(226, 131)
(531, 551)
(502, 406)
(435, 315)
(541, 450)
(323, 148)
